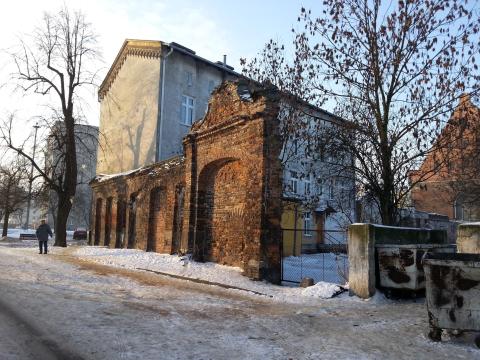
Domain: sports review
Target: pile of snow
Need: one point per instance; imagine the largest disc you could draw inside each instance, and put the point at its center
(171, 264)
(105, 177)
(15, 233)
(9, 239)
(185, 267)
(323, 290)
(211, 272)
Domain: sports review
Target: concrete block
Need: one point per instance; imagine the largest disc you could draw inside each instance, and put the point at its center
(468, 238)
(361, 258)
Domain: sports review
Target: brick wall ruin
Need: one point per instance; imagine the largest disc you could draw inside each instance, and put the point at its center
(221, 201)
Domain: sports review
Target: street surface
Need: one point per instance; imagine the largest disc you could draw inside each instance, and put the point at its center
(57, 306)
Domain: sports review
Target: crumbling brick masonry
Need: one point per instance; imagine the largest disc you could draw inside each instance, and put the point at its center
(221, 201)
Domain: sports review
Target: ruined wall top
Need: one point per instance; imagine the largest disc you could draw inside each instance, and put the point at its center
(152, 170)
(235, 100)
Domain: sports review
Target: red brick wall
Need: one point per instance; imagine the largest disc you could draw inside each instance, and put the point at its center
(230, 182)
(166, 175)
(233, 184)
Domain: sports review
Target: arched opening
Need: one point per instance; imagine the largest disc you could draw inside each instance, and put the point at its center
(121, 222)
(98, 221)
(458, 207)
(132, 220)
(108, 221)
(156, 218)
(221, 204)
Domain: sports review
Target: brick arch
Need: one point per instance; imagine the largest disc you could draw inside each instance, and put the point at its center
(98, 220)
(156, 218)
(220, 212)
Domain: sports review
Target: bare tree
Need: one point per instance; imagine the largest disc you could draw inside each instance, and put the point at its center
(55, 64)
(393, 70)
(13, 193)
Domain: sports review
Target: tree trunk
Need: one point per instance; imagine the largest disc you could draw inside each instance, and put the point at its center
(387, 212)
(5, 223)
(386, 198)
(70, 179)
(63, 209)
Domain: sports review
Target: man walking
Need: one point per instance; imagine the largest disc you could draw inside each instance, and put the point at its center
(43, 231)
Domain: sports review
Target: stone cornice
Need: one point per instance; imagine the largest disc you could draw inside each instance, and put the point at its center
(140, 48)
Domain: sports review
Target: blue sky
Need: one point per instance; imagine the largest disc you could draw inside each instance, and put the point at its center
(212, 28)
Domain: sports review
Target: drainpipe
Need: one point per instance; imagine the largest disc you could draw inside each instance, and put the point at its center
(295, 218)
(162, 103)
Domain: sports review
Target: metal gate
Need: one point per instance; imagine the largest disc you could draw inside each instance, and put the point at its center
(320, 255)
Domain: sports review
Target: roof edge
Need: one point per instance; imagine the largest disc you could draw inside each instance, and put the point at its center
(146, 48)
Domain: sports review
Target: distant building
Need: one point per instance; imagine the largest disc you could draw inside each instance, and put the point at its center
(453, 189)
(151, 96)
(86, 137)
(319, 190)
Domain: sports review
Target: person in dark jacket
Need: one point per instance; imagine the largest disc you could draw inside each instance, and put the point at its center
(43, 232)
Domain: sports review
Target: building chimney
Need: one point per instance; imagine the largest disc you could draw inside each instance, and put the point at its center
(224, 60)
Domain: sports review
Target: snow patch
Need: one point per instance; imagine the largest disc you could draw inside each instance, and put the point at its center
(322, 290)
(212, 272)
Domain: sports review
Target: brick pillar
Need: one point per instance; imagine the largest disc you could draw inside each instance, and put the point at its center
(361, 259)
(189, 207)
(93, 219)
(113, 228)
(271, 197)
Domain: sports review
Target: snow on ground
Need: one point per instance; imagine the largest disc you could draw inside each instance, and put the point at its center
(15, 233)
(184, 266)
(322, 290)
(327, 267)
(98, 313)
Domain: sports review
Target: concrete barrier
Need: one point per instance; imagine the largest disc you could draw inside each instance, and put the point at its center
(453, 289)
(362, 239)
(468, 238)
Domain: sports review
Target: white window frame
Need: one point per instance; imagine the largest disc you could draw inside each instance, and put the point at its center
(307, 187)
(187, 110)
(295, 146)
(293, 182)
(188, 78)
(321, 187)
(331, 192)
(307, 224)
(211, 86)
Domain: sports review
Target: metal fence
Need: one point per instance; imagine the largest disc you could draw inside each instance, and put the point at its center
(320, 255)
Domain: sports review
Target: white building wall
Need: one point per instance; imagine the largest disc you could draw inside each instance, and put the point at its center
(328, 188)
(204, 78)
(128, 117)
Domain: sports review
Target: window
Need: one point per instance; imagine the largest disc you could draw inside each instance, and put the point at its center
(293, 183)
(306, 187)
(458, 209)
(295, 147)
(188, 78)
(320, 186)
(187, 110)
(211, 86)
(307, 224)
(331, 190)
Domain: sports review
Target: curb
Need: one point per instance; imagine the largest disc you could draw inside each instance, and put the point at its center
(206, 282)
